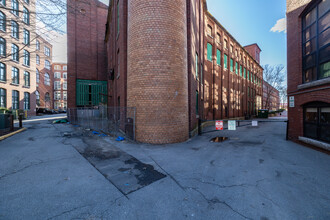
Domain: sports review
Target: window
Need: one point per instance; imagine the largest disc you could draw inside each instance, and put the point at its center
(47, 64)
(26, 16)
(3, 98)
(248, 75)
(209, 51)
(231, 65)
(64, 85)
(47, 97)
(26, 37)
(26, 79)
(197, 100)
(231, 48)
(57, 67)
(15, 100)
(65, 67)
(225, 44)
(3, 2)
(241, 70)
(236, 53)
(38, 45)
(118, 17)
(3, 72)
(218, 38)
(37, 59)
(316, 42)
(196, 65)
(57, 75)
(218, 57)
(37, 98)
(317, 121)
(245, 73)
(14, 29)
(236, 68)
(2, 21)
(26, 58)
(15, 75)
(209, 30)
(47, 79)
(57, 85)
(118, 65)
(57, 95)
(14, 52)
(27, 1)
(225, 62)
(65, 75)
(65, 96)
(37, 76)
(14, 7)
(47, 51)
(26, 101)
(2, 47)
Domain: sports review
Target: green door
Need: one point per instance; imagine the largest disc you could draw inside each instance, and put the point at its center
(91, 92)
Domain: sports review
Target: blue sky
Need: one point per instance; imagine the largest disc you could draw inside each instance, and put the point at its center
(251, 21)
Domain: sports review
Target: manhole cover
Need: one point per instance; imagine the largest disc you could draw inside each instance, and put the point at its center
(219, 139)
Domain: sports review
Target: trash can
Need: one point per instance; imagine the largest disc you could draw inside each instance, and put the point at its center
(263, 113)
(4, 121)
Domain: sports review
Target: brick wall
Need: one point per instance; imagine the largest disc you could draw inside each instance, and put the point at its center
(157, 69)
(294, 60)
(86, 51)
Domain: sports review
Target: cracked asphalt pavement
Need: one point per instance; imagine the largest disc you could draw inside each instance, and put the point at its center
(256, 174)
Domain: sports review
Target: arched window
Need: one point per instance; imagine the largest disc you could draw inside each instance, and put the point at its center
(47, 80)
(14, 29)
(37, 76)
(38, 98)
(26, 16)
(2, 21)
(2, 47)
(47, 97)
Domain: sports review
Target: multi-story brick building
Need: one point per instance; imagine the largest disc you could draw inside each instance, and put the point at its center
(17, 58)
(44, 74)
(60, 85)
(308, 48)
(271, 97)
(175, 65)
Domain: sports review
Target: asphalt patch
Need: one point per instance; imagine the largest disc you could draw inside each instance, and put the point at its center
(124, 171)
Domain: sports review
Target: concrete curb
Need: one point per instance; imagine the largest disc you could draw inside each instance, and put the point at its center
(11, 134)
(316, 143)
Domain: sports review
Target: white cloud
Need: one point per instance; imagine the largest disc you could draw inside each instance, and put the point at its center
(280, 26)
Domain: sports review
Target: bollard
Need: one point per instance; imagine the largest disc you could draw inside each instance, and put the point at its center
(20, 118)
(11, 118)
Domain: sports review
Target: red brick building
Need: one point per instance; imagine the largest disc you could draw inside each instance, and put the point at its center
(271, 97)
(308, 51)
(172, 60)
(60, 85)
(44, 74)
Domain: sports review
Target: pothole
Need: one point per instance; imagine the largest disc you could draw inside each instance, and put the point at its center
(219, 139)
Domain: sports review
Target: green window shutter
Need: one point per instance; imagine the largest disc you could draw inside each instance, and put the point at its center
(248, 75)
(236, 68)
(218, 57)
(209, 51)
(196, 65)
(231, 65)
(89, 92)
(245, 73)
(225, 61)
(241, 71)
